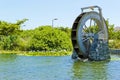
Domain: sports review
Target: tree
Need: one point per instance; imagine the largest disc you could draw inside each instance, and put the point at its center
(48, 38)
(10, 28)
(9, 34)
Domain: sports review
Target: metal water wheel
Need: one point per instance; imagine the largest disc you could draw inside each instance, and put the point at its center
(88, 29)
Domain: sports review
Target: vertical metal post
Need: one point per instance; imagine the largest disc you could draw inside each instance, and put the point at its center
(53, 21)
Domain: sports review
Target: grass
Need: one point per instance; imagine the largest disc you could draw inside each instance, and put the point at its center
(37, 53)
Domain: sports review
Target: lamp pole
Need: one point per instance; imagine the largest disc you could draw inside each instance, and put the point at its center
(53, 21)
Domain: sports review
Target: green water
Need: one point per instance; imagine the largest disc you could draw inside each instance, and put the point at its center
(13, 67)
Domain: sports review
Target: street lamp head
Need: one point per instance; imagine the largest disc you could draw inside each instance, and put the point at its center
(55, 19)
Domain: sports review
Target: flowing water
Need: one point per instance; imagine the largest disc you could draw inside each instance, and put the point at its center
(13, 67)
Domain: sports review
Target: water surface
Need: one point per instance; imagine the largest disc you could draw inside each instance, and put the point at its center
(13, 67)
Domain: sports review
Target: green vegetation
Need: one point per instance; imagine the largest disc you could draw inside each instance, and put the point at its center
(55, 41)
(43, 40)
(37, 53)
(114, 36)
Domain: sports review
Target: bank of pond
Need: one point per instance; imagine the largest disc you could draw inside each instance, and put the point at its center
(48, 53)
(38, 53)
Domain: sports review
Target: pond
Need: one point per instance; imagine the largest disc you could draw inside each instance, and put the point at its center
(13, 67)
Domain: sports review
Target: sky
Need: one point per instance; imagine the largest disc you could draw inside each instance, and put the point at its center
(42, 12)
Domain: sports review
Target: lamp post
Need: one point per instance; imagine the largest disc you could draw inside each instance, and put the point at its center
(53, 21)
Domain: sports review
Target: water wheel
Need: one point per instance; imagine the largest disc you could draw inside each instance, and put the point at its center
(89, 34)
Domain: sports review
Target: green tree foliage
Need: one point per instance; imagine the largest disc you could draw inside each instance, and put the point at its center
(10, 28)
(66, 30)
(43, 38)
(114, 36)
(9, 34)
(20, 22)
(8, 42)
(48, 38)
(110, 30)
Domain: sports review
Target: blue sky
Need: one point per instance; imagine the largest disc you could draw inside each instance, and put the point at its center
(41, 12)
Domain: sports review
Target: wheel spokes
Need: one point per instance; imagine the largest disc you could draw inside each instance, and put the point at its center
(85, 39)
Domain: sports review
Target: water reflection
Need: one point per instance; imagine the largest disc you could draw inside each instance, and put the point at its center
(7, 58)
(89, 70)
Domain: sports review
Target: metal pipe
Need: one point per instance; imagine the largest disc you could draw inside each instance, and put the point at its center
(91, 7)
